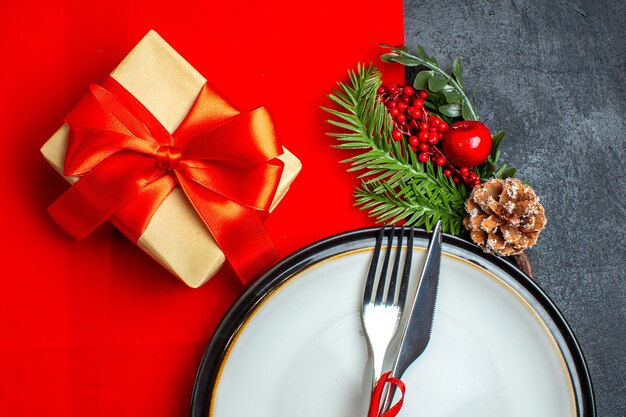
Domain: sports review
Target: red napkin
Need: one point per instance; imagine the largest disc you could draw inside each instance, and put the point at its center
(95, 327)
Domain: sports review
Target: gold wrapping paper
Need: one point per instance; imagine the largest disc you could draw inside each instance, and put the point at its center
(167, 85)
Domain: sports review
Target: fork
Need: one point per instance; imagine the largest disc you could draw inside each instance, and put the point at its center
(384, 297)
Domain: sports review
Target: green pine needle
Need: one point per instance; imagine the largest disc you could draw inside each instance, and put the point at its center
(395, 186)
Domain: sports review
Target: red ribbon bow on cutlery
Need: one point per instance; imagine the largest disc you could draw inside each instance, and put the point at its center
(377, 397)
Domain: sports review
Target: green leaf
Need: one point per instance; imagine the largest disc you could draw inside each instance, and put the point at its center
(496, 140)
(389, 57)
(500, 171)
(452, 96)
(421, 52)
(448, 88)
(488, 170)
(456, 70)
(431, 105)
(497, 137)
(436, 83)
(510, 172)
(421, 79)
(451, 110)
(466, 112)
(404, 60)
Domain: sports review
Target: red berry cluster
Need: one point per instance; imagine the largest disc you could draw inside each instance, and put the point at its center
(422, 130)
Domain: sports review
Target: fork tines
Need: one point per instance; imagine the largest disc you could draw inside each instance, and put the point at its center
(386, 285)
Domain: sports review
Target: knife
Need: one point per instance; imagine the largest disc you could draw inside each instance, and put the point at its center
(414, 334)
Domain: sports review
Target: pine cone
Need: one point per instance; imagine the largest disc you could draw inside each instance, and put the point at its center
(504, 216)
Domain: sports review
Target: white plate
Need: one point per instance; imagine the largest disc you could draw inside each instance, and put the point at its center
(293, 346)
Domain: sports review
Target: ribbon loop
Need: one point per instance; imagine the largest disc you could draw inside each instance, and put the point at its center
(128, 163)
(378, 399)
(168, 157)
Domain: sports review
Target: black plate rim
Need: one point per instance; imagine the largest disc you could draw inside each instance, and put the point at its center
(302, 258)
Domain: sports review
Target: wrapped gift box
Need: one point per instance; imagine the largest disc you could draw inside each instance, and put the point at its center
(167, 86)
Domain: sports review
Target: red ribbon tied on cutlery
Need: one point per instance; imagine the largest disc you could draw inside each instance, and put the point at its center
(377, 397)
(128, 163)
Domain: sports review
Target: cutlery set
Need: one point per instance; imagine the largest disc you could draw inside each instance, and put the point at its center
(397, 331)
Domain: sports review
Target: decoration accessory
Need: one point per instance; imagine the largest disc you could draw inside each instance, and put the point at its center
(141, 148)
(467, 143)
(422, 148)
(377, 398)
(504, 216)
(223, 160)
(395, 184)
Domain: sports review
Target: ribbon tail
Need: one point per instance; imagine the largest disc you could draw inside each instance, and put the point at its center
(237, 230)
(100, 193)
(376, 396)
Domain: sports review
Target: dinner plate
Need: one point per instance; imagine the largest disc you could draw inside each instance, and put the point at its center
(293, 344)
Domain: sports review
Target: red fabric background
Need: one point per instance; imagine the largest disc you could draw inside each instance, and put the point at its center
(96, 328)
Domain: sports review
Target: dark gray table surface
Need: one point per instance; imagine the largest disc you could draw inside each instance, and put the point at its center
(551, 74)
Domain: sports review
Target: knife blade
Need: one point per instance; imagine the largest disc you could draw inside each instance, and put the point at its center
(413, 335)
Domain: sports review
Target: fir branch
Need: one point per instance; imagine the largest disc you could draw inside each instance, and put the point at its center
(395, 185)
(415, 206)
